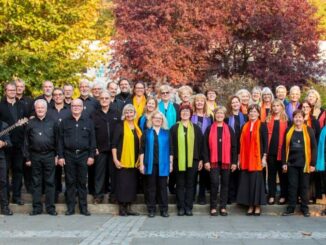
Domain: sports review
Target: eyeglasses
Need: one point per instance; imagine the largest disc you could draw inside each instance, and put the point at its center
(57, 94)
(76, 106)
(158, 118)
(139, 88)
(165, 93)
(104, 98)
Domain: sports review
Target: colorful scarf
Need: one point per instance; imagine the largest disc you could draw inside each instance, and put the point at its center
(170, 113)
(307, 149)
(163, 152)
(226, 146)
(320, 166)
(281, 132)
(289, 110)
(142, 122)
(206, 122)
(139, 106)
(210, 111)
(128, 147)
(232, 120)
(263, 113)
(322, 119)
(244, 109)
(182, 146)
(250, 155)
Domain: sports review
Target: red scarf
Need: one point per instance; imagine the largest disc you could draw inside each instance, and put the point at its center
(226, 146)
(322, 119)
(282, 129)
(244, 109)
(250, 156)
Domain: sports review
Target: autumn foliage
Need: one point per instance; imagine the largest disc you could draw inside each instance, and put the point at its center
(185, 41)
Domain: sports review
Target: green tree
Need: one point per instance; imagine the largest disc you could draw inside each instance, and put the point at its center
(45, 39)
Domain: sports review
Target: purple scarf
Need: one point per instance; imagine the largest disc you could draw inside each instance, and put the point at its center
(206, 122)
(289, 110)
(231, 120)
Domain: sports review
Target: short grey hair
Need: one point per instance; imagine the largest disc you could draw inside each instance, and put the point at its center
(126, 108)
(267, 90)
(295, 87)
(84, 81)
(41, 101)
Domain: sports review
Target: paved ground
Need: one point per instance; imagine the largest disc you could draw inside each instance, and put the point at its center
(107, 229)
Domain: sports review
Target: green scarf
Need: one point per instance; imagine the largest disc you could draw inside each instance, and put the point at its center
(182, 146)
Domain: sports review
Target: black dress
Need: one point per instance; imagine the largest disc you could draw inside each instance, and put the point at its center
(126, 186)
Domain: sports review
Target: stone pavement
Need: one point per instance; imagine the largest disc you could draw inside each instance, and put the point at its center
(199, 229)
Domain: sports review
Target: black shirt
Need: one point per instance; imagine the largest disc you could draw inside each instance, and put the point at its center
(125, 98)
(13, 110)
(28, 104)
(297, 155)
(77, 135)
(40, 136)
(90, 105)
(58, 116)
(117, 105)
(50, 103)
(105, 124)
(273, 144)
(5, 138)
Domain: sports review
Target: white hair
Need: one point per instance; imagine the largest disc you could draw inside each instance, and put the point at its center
(41, 101)
(84, 81)
(150, 120)
(267, 90)
(127, 108)
(295, 87)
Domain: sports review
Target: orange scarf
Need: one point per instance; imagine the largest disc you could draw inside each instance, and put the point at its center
(307, 147)
(282, 129)
(263, 114)
(308, 122)
(244, 109)
(250, 155)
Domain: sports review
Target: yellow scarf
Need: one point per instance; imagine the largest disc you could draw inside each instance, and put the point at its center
(128, 146)
(307, 149)
(139, 106)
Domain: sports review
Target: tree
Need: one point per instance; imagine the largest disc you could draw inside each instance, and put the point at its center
(165, 40)
(186, 41)
(42, 39)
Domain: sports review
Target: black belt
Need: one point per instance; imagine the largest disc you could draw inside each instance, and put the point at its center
(42, 152)
(77, 151)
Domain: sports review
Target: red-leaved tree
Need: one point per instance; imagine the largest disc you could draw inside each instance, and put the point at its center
(184, 41)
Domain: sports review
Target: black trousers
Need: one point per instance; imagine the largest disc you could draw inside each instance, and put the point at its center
(3, 183)
(274, 169)
(58, 179)
(15, 161)
(215, 175)
(43, 169)
(27, 172)
(76, 179)
(185, 187)
(156, 189)
(91, 179)
(204, 184)
(233, 185)
(113, 178)
(172, 182)
(298, 183)
(101, 171)
(316, 187)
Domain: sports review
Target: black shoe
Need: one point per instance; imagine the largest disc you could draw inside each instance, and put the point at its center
(223, 213)
(213, 212)
(151, 214)
(288, 212)
(85, 212)
(34, 212)
(181, 212)
(132, 213)
(306, 213)
(52, 213)
(18, 202)
(69, 212)
(189, 213)
(122, 213)
(165, 214)
(323, 213)
(6, 211)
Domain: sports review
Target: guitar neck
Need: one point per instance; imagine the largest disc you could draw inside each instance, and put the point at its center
(7, 130)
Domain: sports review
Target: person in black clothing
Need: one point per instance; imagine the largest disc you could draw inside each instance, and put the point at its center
(4, 143)
(76, 151)
(125, 96)
(27, 101)
(58, 112)
(68, 91)
(220, 155)
(236, 119)
(105, 121)
(156, 162)
(299, 158)
(47, 88)
(115, 104)
(90, 105)
(40, 150)
(187, 159)
(11, 111)
(125, 151)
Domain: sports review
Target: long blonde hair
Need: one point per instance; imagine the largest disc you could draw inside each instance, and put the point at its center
(197, 97)
(316, 107)
(283, 116)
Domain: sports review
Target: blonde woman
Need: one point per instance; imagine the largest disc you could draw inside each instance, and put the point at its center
(185, 92)
(151, 106)
(277, 123)
(211, 96)
(313, 97)
(244, 96)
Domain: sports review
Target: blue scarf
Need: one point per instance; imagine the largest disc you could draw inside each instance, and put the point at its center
(232, 120)
(320, 166)
(142, 123)
(170, 114)
(206, 122)
(289, 110)
(163, 152)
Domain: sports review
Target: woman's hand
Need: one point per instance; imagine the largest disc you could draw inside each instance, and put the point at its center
(141, 168)
(117, 164)
(207, 166)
